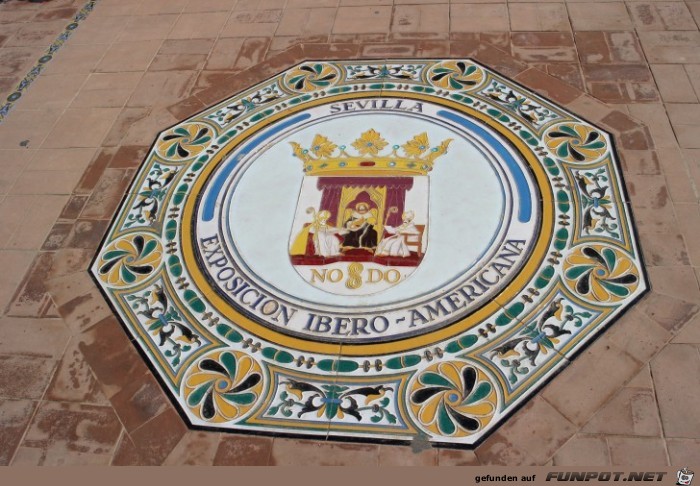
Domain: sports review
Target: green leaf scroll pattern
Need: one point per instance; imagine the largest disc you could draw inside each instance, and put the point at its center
(453, 399)
(334, 401)
(576, 142)
(311, 77)
(522, 353)
(598, 206)
(184, 142)
(130, 260)
(456, 75)
(600, 273)
(223, 386)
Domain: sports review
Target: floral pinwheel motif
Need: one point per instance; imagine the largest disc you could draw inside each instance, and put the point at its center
(130, 260)
(370, 143)
(601, 274)
(575, 142)
(184, 142)
(311, 77)
(223, 386)
(456, 75)
(453, 399)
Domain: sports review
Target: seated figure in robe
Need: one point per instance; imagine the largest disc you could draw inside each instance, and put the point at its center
(359, 229)
(396, 245)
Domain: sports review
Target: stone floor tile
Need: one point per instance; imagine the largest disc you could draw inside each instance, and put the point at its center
(671, 47)
(456, 457)
(362, 20)
(633, 411)
(583, 451)
(599, 16)
(678, 282)
(306, 21)
(154, 7)
(637, 334)
(27, 128)
(478, 18)
(46, 338)
(24, 377)
(78, 301)
(209, 5)
(390, 455)
(204, 25)
(661, 16)
(162, 88)
(632, 451)
(129, 56)
(147, 27)
(655, 117)
(238, 450)
(194, 449)
(538, 17)
(80, 127)
(105, 344)
(423, 19)
(152, 443)
(73, 380)
(14, 265)
(590, 381)
(690, 333)
(248, 23)
(536, 431)
(25, 221)
(683, 451)
(292, 452)
(107, 90)
(676, 373)
(14, 418)
(674, 85)
(72, 434)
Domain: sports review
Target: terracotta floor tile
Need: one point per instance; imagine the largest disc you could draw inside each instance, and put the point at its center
(638, 335)
(633, 411)
(421, 18)
(679, 282)
(79, 302)
(682, 451)
(129, 56)
(662, 16)
(24, 377)
(14, 418)
(583, 451)
(689, 333)
(655, 117)
(224, 53)
(154, 7)
(252, 23)
(306, 21)
(36, 34)
(405, 456)
(194, 449)
(198, 26)
(156, 440)
(291, 452)
(80, 127)
(599, 16)
(13, 162)
(33, 337)
(107, 90)
(478, 18)
(243, 451)
(209, 5)
(635, 450)
(455, 457)
(162, 88)
(72, 434)
(362, 20)
(673, 82)
(26, 220)
(27, 128)
(73, 380)
(676, 373)
(15, 264)
(538, 17)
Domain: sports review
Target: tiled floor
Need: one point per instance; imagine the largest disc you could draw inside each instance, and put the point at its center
(73, 388)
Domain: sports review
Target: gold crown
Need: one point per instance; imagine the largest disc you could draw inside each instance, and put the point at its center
(326, 158)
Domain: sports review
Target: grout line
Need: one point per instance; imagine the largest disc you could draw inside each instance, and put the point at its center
(35, 71)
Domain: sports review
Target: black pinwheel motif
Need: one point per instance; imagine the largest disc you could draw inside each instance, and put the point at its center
(575, 142)
(601, 273)
(184, 142)
(453, 399)
(311, 77)
(130, 260)
(456, 75)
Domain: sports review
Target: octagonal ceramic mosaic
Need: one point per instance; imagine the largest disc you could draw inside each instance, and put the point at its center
(371, 251)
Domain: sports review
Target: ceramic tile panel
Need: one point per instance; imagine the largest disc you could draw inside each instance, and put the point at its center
(391, 251)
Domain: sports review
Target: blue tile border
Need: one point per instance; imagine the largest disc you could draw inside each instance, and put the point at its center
(38, 67)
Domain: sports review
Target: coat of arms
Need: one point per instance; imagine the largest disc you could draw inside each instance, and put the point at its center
(361, 224)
